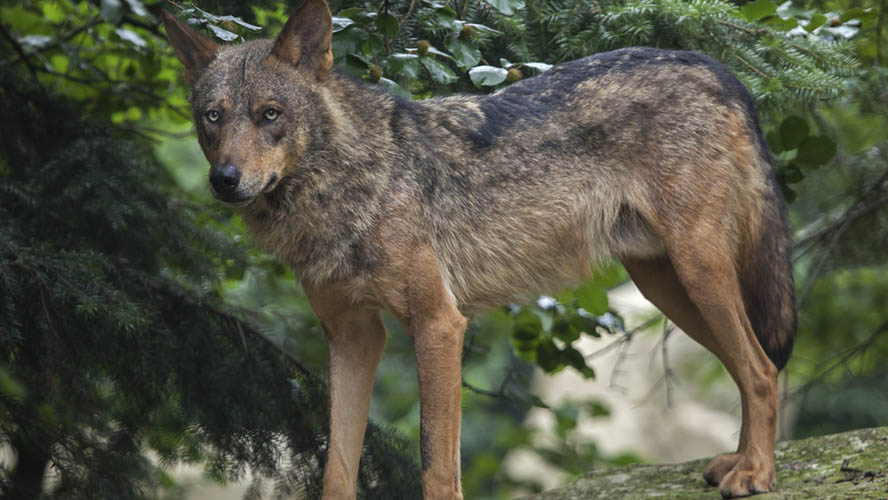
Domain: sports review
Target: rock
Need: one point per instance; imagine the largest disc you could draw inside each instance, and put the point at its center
(850, 465)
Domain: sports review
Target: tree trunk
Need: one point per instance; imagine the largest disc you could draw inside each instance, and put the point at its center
(26, 481)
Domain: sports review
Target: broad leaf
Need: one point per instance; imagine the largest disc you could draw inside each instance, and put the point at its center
(222, 33)
(541, 67)
(754, 11)
(793, 131)
(817, 20)
(548, 357)
(111, 10)
(816, 150)
(507, 7)
(439, 72)
(574, 358)
(387, 24)
(592, 297)
(340, 23)
(131, 37)
(487, 75)
(464, 53)
(405, 64)
(394, 88)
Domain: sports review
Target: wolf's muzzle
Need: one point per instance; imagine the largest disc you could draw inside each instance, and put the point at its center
(225, 179)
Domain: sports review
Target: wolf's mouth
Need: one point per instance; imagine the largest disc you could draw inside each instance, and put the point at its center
(237, 203)
(272, 183)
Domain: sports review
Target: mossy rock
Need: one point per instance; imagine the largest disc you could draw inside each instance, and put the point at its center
(850, 465)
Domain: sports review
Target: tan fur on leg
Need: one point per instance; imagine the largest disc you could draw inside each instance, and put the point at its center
(430, 316)
(356, 339)
(715, 318)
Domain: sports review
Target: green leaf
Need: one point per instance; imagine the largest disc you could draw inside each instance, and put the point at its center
(440, 73)
(405, 64)
(222, 33)
(35, 41)
(394, 88)
(433, 50)
(541, 67)
(781, 23)
(347, 42)
(609, 276)
(575, 359)
(387, 24)
(526, 325)
(484, 29)
(596, 408)
(548, 356)
(340, 23)
(817, 20)
(356, 64)
(564, 329)
(592, 297)
(373, 45)
(816, 150)
(754, 11)
(111, 10)
(790, 174)
(238, 21)
(507, 7)
(446, 19)
(585, 323)
(487, 75)
(793, 131)
(774, 141)
(465, 55)
(358, 15)
(131, 37)
(138, 8)
(566, 417)
(788, 194)
(864, 15)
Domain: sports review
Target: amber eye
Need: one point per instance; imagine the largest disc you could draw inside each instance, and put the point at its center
(213, 115)
(271, 114)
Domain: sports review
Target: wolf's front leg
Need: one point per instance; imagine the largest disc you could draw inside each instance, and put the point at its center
(356, 339)
(438, 341)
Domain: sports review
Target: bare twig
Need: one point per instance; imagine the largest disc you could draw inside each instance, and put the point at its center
(839, 360)
(855, 211)
(669, 377)
(837, 229)
(499, 393)
(23, 57)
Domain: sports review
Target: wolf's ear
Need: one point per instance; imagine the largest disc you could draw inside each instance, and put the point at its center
(194, 50)
(305, 39)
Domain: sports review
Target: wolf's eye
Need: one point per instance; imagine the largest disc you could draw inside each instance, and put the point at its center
(271, 114)
(213, 115)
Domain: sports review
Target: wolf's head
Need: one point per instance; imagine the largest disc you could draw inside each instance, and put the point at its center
(255, 104)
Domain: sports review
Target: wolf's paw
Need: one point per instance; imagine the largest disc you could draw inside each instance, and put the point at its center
(719, 467)
(745, 481)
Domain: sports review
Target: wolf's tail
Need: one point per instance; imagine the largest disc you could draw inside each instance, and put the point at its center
(767, 281)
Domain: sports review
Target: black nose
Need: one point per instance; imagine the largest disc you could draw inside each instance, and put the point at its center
(225, 178)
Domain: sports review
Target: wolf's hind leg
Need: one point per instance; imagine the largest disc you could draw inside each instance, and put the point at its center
(702, 296)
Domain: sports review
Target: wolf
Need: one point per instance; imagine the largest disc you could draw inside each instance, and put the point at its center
(436, 209)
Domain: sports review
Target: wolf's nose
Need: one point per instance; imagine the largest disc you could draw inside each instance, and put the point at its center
(225, 178)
